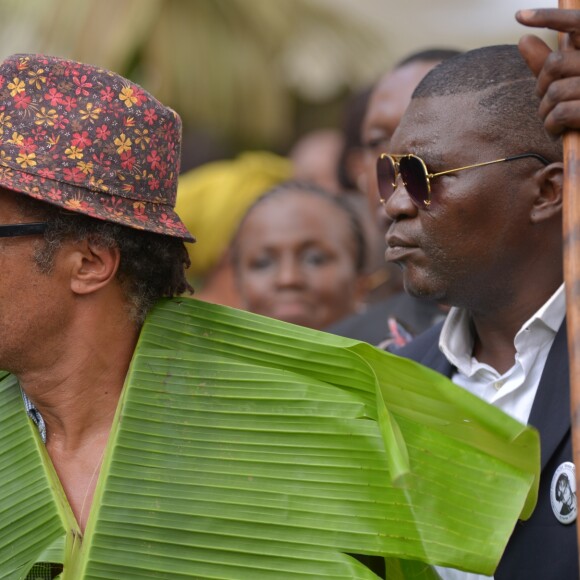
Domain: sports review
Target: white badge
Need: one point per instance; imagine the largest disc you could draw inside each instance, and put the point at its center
(563, 493)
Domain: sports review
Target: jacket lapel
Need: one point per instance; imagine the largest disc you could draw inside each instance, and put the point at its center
(551, 409)
(436, 360)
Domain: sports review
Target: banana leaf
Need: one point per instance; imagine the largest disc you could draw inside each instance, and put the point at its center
(247, 448)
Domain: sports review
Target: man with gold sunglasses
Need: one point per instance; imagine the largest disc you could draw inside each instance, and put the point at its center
(472, 183)
(392, 316)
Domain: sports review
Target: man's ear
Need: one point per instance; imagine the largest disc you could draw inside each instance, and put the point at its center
(548, 201)
(92, 266)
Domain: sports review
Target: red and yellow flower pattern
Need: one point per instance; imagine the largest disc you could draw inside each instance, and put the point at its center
(89, 140)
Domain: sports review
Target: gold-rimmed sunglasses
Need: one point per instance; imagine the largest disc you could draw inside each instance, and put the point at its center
(417, 178)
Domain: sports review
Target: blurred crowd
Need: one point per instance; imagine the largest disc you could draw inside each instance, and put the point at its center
(301, 237)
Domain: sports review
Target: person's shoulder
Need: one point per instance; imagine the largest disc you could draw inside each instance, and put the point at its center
(422, 344)
(371, 325)
(370, 322)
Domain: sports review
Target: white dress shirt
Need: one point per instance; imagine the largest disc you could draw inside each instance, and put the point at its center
(513, 391)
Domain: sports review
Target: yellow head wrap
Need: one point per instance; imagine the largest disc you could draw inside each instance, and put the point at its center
(213, 198)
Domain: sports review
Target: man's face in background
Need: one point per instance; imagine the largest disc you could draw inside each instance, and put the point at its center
(387, 104)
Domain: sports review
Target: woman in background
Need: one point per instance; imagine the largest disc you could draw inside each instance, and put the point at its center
(212, 199)
(299, 255)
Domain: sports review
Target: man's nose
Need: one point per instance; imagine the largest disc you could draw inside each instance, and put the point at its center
(399, 204)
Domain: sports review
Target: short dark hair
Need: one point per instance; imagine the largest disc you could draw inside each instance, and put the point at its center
(152, 265)
(505, 90)
(428, 55)
(356, 107)
(341, 201)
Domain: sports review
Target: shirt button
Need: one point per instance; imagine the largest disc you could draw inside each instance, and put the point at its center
(498, 385)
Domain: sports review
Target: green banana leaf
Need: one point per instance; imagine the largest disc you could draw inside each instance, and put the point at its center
(247, 448)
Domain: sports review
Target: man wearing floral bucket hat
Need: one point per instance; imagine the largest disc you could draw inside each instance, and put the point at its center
(89, 241)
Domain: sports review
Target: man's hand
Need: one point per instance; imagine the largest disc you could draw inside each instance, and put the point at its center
(558, 71)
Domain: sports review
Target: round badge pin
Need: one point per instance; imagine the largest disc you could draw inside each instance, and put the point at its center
(563, 493)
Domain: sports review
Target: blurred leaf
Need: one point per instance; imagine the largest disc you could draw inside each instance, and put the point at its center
(232, 66)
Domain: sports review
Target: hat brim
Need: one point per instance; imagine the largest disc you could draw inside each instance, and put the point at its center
(148, 216)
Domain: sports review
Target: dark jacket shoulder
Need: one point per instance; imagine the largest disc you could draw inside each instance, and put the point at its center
(417, 348)
(372, 326)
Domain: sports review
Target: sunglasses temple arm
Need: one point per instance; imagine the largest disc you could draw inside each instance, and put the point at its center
(432, 175)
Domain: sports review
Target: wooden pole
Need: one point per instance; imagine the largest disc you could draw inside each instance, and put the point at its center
(571, 221)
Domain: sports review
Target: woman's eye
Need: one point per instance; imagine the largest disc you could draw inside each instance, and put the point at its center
(261, 262)
(378, 145)
(315, 258)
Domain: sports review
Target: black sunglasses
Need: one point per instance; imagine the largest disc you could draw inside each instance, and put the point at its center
(416, 176)
(13, 230)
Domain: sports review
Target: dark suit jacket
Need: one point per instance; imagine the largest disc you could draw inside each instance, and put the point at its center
(541, 548)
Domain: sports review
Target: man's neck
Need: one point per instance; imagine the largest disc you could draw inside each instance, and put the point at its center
(494, 332)
(77, 390)
(77, 394)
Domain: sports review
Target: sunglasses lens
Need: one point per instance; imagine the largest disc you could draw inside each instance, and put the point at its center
(415, 180)
(386, 177)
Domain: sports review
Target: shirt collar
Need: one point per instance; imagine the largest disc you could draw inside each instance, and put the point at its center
(34, 415)
(456, 340)
(552, 313)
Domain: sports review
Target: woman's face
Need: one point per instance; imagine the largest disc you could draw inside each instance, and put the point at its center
(296, 260)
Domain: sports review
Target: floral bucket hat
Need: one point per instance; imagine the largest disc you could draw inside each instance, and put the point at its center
(90, 141)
